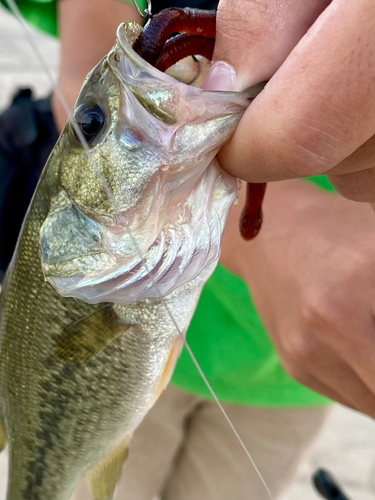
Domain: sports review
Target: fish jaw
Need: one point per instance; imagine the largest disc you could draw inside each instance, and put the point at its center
(79, 260)
(160, 222)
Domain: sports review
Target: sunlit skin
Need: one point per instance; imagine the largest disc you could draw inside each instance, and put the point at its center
(317, 114)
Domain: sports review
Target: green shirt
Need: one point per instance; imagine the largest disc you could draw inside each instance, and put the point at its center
(226, 333)
(233, 348)
(43, 13)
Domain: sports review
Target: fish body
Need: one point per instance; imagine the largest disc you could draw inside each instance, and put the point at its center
(112, 246)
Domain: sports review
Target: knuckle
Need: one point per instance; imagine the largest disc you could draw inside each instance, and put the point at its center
(299, 349)
(329, 316)
(320, 309)
(309, 151)
(357, 186)
(295, 372)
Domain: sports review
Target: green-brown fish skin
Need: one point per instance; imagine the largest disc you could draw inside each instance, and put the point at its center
(64, 412)
(77, 378)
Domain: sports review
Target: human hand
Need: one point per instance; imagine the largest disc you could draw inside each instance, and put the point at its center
(317, 113)
(311, 273)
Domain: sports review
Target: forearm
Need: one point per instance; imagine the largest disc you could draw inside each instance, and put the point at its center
(285, 203)
(311, 275)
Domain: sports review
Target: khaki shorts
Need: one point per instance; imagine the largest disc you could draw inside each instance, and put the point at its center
(185, 450)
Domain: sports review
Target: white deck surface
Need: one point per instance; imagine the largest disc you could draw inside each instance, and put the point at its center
(347, 446)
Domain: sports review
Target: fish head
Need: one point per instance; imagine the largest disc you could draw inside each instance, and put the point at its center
(127, 201)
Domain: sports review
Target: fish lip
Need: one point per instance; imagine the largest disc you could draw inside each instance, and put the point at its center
(128, 32)
(192, 106)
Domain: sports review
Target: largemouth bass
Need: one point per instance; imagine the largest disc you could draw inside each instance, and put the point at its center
(111, 245)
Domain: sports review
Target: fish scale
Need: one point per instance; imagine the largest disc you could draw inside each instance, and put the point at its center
(76, 378)
(70, 400)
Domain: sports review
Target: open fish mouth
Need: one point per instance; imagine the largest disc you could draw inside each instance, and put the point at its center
(164, 225)
(78, 258)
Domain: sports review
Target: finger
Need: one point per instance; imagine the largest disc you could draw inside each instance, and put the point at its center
(362, 158)
(354, 177)
(357, 186)
(321, 369)
(255, 37)
(318, 108)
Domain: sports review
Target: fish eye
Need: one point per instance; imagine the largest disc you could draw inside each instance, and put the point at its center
(91, 120)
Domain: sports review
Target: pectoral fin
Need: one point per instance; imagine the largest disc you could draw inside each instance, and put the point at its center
(3, 437)
(102, 479)
(86, 338)
(169, 367)
(158, 104)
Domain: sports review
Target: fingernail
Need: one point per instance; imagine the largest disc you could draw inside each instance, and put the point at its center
(220, 77)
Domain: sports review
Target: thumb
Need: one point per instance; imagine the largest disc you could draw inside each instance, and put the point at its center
(256, 36)
(220, 77)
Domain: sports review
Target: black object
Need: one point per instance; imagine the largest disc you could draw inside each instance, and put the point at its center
(327, 486)
(27, 136)
(91, 120)
(158, 5)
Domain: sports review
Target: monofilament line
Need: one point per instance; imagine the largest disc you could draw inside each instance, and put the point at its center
(217, 401)
(30, 38)
(34, 46)
(200, 371)
(147, 12)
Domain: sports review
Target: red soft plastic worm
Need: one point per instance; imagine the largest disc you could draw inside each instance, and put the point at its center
(160, 27)
(194, 32)
(181, 46)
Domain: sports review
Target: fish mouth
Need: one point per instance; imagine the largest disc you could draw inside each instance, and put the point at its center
(169, 233)
(77, 261)
(165, 96)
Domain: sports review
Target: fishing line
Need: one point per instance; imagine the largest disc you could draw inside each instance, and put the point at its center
(217, 401)
(30, 38)
(147, 12)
